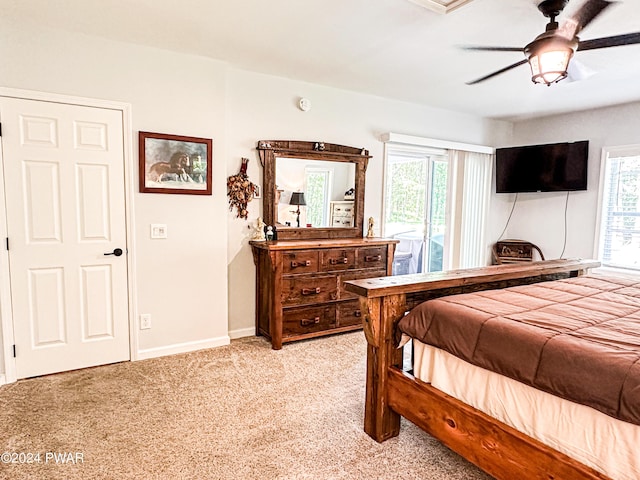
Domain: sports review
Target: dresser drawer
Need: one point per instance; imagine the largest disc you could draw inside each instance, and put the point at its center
(343, 210)
(297, 321)
(338, 259)
(357, 275)
(342, 222)
(349, 314)
(372, 257)
(301, 261)
(309, 289)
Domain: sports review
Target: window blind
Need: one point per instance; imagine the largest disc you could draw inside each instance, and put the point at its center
(476, 193)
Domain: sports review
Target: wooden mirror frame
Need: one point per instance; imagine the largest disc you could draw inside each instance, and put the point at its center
(269, 150)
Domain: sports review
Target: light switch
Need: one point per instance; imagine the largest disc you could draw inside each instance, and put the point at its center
(158, 230)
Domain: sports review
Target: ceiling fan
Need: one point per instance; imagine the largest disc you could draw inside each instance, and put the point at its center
(549, 53)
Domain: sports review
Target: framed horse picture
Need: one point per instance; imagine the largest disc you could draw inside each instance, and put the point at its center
(174, 164)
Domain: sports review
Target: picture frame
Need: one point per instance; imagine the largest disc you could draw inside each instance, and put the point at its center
(174, 164)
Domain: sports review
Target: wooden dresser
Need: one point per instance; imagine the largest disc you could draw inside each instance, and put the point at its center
(299, 285)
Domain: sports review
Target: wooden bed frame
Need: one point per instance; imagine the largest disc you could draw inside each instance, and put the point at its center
(496, 448)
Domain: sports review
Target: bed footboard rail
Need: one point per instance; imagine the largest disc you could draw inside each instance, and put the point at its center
(495, 447)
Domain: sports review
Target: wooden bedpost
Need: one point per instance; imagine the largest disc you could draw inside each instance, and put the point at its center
(380, 316)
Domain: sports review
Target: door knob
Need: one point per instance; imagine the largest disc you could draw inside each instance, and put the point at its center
(116, 251)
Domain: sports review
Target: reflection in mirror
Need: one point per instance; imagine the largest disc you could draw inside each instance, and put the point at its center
(328, 188)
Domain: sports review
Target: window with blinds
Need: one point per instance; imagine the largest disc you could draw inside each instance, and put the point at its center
(619, 242)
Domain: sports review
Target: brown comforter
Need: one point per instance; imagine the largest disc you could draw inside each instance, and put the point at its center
(577, 338)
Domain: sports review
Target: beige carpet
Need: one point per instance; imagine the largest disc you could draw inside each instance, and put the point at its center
(238, 412)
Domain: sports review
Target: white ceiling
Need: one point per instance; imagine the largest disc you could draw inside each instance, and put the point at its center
(390, 48)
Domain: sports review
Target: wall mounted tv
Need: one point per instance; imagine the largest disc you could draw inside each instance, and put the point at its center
(557, 167)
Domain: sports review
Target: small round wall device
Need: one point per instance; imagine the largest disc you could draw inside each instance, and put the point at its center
(304, 104)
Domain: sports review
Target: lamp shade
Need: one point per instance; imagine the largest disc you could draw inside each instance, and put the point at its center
(297, 198)
(549, 67)
(549, 57)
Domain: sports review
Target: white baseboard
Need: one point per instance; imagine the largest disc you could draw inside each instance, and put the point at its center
(183, 347)
(3, 379)
(242, 332)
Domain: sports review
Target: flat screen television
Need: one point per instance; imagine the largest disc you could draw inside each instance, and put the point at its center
(556, 167)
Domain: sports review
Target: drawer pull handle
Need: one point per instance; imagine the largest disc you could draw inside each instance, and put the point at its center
(305, 322)
(301, 264)
(357, 313)
(373, 258)
(335, 261)
(311, 291)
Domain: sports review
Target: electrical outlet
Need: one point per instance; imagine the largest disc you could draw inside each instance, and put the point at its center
(145, 321)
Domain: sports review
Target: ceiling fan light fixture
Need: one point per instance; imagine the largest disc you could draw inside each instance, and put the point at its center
(549, 67)
(549, 59)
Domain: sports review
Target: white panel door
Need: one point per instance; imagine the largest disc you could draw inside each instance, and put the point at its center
(64, 183)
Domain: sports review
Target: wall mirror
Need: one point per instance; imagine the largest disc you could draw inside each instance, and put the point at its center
(313, 190)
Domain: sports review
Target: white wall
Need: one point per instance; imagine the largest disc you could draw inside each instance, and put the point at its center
(199, 284)
(539, 217)
(182, 281)
(263, 107)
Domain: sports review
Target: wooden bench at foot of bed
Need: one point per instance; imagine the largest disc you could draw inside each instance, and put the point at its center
(498, 449)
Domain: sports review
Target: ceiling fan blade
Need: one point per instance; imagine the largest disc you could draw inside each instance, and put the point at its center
(589, 11)
(498, 72)
(613, 41)
(492, 49)
(583, 17)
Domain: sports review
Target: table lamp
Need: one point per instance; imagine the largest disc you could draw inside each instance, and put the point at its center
(297, 198)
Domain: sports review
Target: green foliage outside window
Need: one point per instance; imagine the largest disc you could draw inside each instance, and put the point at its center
(315, 197)
(406, 192)
(438, 197)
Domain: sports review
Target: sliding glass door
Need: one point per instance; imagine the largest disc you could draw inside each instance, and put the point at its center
(415, 206)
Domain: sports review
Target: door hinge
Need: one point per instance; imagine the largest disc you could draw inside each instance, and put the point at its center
(0, 129)
(7, 243)
(14, 351)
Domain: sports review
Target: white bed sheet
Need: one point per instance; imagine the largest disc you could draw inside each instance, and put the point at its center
(604, 443)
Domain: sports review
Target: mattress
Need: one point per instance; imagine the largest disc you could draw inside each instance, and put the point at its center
(583, 433)
(578, 339)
